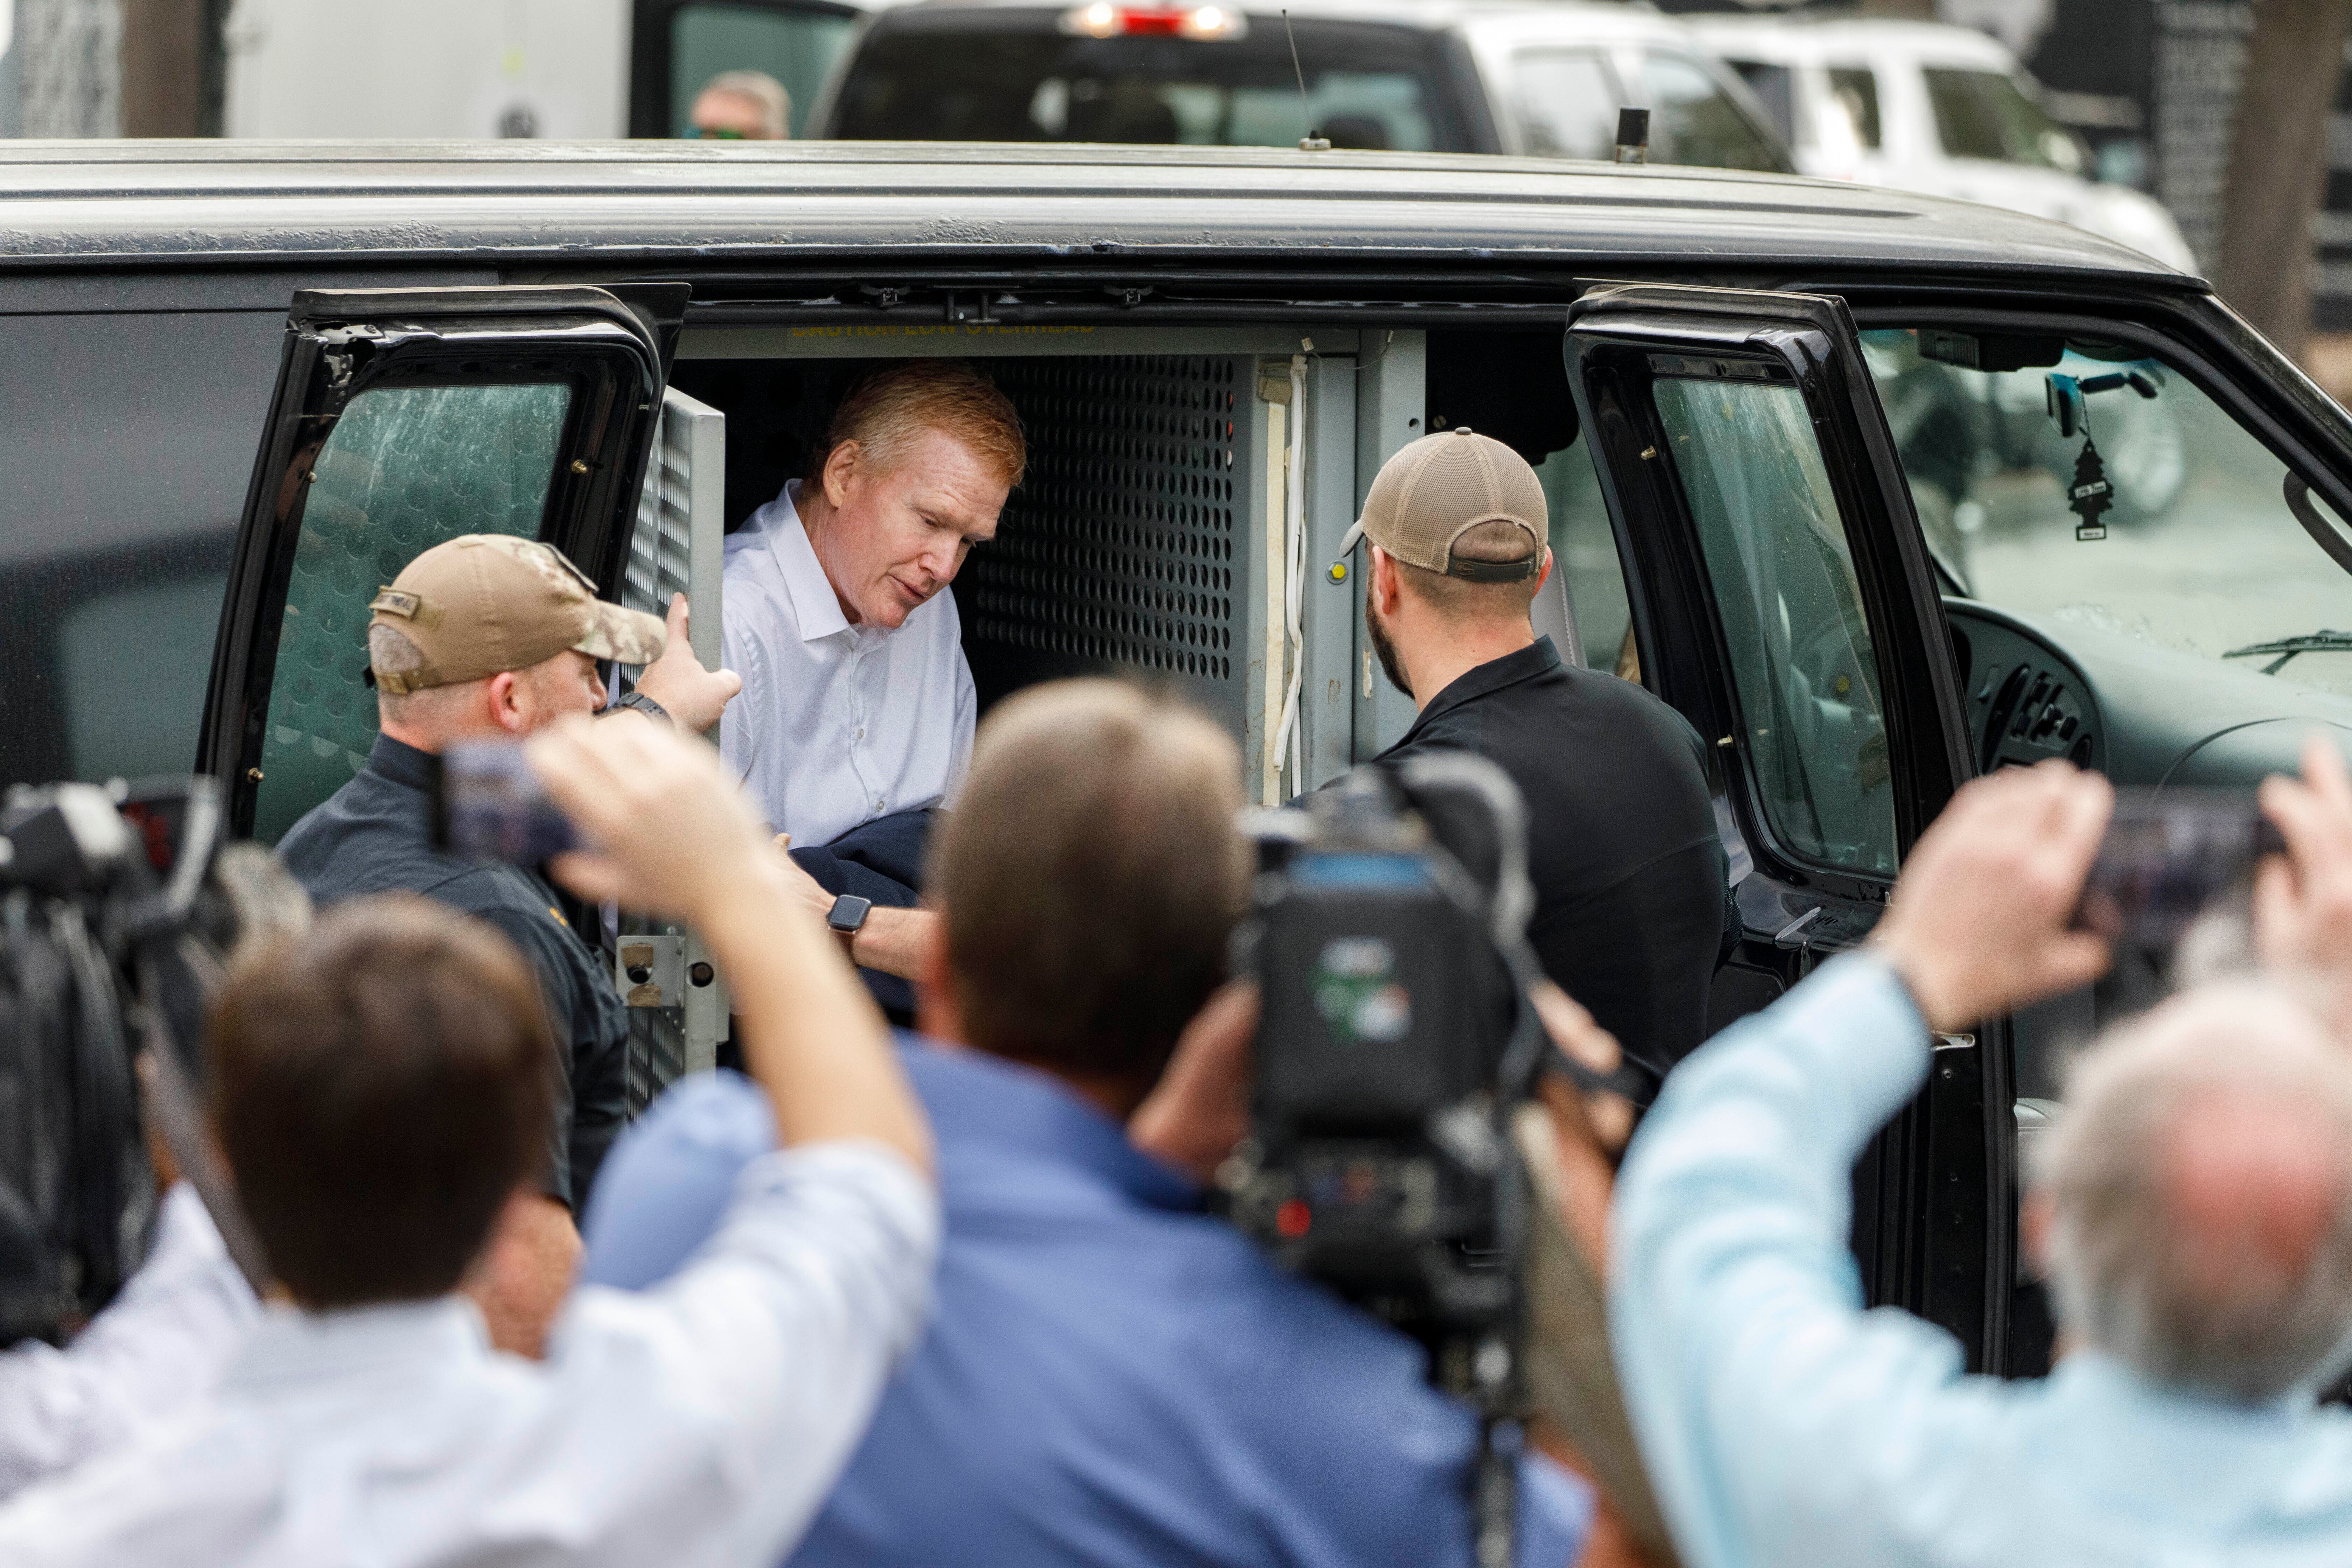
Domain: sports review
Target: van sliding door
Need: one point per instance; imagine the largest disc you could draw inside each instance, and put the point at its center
(1782, 600)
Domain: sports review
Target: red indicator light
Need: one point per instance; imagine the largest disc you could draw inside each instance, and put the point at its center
(1292, 1219)
(1203, 23)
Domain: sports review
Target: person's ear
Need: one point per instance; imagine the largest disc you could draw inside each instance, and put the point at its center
(509, 702)
(938, 1011)
(840, 473)
(1543, 576)
(1383, 581)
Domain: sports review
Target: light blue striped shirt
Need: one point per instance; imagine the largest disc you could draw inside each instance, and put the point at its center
(1785, 1425)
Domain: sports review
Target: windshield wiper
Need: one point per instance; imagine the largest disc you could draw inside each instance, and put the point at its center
(2287, 647)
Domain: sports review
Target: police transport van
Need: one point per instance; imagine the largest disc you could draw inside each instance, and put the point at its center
(1881, 492)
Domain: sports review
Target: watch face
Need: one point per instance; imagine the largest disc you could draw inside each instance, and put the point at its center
(848, 913)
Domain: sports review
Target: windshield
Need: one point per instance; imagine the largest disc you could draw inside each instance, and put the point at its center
(1984, 114)
(2199, 549)
(1014, 76)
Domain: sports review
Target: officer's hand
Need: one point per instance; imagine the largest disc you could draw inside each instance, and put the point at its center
(670, 832)
(1200, 1109)
(688, 693)
(2302, 902)
(1982, 920)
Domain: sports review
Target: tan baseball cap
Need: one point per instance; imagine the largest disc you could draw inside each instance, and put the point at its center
(484, 603)
(1441, 487)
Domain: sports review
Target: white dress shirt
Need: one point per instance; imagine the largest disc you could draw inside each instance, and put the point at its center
(699, 1423)
(837, 724)
(159, 1347)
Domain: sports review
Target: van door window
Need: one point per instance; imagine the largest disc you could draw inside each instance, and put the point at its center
(1696, 121)
(2199, 551)
(118, 522)
(1567, 103)
(1790, 609)
(404, 469)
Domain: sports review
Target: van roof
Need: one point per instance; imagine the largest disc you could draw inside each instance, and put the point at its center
(594, 205)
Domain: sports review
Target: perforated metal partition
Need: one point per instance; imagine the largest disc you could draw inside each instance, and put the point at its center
(1126, 549)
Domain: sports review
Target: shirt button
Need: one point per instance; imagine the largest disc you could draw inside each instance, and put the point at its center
(861, 734)
(878, 802)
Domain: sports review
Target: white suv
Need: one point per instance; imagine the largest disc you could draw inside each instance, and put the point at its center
(1943, 111)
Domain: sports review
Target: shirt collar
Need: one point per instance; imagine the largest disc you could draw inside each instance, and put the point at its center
(1539, 658)
(401, 762)
(974, 1098)
(815, 606)
(290, 1346)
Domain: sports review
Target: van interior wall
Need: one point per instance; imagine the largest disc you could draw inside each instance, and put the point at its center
(1124, 550)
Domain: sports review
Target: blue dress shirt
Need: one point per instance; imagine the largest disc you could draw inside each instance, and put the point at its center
(1112, 1377)
(1785, 1425)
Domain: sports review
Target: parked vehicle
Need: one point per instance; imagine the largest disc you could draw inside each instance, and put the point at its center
(237, 392)
(1943, 111)
(1416, 76)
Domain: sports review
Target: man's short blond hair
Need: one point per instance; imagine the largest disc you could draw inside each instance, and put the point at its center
(889, 411)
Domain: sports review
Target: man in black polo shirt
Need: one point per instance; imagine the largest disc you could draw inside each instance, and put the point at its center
(1631, 913)
(490, 637)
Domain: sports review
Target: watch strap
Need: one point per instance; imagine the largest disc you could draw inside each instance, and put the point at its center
(645, 705)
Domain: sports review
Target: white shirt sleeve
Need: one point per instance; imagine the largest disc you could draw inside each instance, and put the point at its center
(778, 1340)
(154, 1350)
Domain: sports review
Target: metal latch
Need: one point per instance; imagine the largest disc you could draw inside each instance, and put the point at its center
(1942, 1042)
(652, 971)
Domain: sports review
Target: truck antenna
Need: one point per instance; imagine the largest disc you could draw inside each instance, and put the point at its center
(1310, 143)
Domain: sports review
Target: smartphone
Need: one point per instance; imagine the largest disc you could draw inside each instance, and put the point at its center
(2167, 857)
(488, 805)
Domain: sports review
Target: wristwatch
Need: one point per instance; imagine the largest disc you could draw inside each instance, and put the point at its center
(645, 705)
(847, 917)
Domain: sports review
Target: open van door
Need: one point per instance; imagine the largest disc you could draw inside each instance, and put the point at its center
(404, 417)
(1783, 601)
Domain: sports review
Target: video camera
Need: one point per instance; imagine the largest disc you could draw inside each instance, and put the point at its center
(112, 927)
(1386, 934)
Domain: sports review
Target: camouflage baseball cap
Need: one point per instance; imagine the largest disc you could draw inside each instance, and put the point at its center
(484, 603)
(1438, 488)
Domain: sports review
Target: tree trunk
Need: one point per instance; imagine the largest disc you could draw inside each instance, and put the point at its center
(2278, 164)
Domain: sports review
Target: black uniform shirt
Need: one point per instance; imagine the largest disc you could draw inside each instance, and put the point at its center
(1623, 848)
(374, 836)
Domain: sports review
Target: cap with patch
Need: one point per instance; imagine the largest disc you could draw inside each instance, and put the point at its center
(1438, 488)
(484, 603)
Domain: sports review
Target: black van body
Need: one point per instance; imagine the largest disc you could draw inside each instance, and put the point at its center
(190, 334)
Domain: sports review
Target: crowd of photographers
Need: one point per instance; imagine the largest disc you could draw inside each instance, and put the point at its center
(955, 1297)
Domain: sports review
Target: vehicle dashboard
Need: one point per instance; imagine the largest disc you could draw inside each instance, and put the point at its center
(2145, 716)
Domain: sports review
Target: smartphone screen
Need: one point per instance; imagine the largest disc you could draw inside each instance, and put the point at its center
(2167, 857)
(490, 807)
